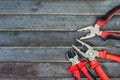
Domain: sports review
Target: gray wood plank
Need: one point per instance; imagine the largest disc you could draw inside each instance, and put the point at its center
(56, 6)
(36, 38)
(63, 23)
(42, 54)
(49, 38)
(48, 70)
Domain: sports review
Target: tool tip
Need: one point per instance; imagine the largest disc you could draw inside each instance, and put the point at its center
(82, 38)
(79, 30)
(73, 45)
(78, 40)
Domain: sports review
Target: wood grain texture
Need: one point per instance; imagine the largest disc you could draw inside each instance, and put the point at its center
(42, 54)
(53, 23)
(48, 70)
(49, 38)
(57, 6)
(35, 34)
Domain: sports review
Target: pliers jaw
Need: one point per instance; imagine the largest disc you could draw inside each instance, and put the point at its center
(78, 66)
(93, 31)
(86, 51)
(72, 57)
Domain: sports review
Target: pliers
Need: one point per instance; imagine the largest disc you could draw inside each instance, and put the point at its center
(78, 66)
(90, 53)
(94, 29)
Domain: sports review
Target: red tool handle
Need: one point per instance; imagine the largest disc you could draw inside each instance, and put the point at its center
(104, 19)
(95, 65)
(75, 71)
(110, 35)
(103, 54)
(83, 68)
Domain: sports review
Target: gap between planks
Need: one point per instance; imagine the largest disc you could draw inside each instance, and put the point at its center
(44, 30)
(53, 62)
(50, 46)
(54, 14)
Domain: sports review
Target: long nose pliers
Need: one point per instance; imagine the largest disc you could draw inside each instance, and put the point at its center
(94, 29)
(78, 66)
(90, 53)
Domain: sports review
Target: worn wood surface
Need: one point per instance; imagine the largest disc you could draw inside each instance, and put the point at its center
(53, 70)
(57, 6)
(49, 38)
(42, 54)
(35, 34)
(53, 23)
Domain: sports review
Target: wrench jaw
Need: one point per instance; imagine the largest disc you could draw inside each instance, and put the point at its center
(89, 53)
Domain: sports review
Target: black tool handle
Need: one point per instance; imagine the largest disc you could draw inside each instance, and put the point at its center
(83, 68)
(93, 77)
(104, 19)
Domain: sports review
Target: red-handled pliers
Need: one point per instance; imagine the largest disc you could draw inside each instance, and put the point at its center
(78, 66)
(94, 29)
(90, 53)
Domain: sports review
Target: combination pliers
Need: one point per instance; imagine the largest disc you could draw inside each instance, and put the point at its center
(90, 53)
(78, 66)
(94, 29)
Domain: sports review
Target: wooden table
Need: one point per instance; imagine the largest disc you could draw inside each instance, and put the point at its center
(35, 34)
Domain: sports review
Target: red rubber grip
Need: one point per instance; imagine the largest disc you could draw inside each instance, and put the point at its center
(75, 71)
(83, 68)
(103, 22)
(103, 54)
(107, 34)
(95, 65)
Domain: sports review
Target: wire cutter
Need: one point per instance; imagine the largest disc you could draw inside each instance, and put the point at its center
(78, 66)
(94, 29)
(90, 53)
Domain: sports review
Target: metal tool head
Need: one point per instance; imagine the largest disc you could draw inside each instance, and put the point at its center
(86, 51)
(93, 31)
(72, 57)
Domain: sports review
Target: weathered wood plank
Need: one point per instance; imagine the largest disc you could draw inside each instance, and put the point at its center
(49, 38)
(41, 54)
(56, 6)
(39, 23)
(50, 62)
(46, 70)
(36, 38)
